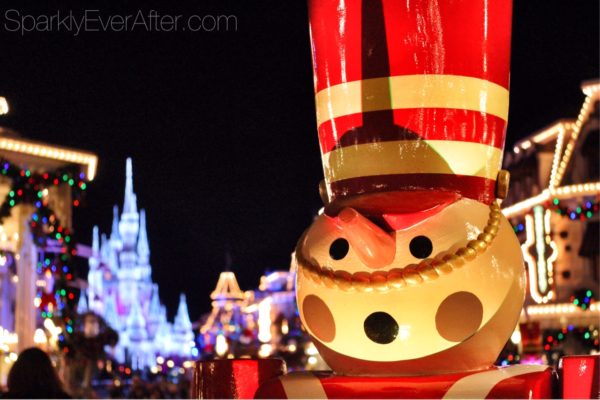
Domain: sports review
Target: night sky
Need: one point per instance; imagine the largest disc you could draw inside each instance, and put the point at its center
(221, 125)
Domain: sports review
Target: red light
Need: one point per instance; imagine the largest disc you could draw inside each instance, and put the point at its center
(20, 192)
(71, 296)
(69, 277)
(46, 175)
(55, 181)
(76, 203)
(550, 339)
(547, 347)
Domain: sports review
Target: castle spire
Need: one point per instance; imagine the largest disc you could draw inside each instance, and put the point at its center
(94, 260)
(130, 221)
(182, 321)
(95, 241)
(104, 249)
(130, 202)
(136, 324)
(155, 306)
(114, 233)
(143, 248)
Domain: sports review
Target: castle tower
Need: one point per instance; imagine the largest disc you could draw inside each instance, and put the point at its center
(136, 323)
(163, 339)
(115, 236)
(128, 229)
(137, 334)
(154, 312)
(130, 220)
(94, 260)
(182, 328)
(143, 249)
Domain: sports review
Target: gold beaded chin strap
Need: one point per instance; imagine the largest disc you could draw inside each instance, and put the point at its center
(397, 278)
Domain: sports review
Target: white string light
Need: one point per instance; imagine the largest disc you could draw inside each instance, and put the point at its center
(57, 153)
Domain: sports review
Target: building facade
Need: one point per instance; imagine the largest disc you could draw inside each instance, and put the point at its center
(553, 207)
(26, 168)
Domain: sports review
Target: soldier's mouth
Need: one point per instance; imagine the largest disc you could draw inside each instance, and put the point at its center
(411, 275)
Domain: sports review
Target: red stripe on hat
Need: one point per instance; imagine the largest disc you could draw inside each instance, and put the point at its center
(461, 37)
(428, 123)
(335, 32)
(473, 187)
(450, 37)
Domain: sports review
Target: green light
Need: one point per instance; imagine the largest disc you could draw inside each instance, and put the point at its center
(587, 335)
(12, 203)
(588, 293)
(589, 214)
(40, 194)
(71, 182)
(584, 306)
(28, 173)
(11, 194)
(576, 302)
(561, 336)
(83, 186)
(63, 292)
(67, 239)
(578, 210)
(555, 201)
(58, 235)
(65, 177)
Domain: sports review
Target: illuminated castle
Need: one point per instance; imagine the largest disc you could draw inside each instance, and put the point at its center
(120, 289)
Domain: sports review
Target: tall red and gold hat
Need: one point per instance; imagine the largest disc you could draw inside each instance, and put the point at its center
(411, 98)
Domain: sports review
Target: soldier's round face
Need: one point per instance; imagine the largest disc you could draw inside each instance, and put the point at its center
(359, 299)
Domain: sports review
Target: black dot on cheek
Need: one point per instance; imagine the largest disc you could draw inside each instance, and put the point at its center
(381, 327)
(339, 248)
(421, 247)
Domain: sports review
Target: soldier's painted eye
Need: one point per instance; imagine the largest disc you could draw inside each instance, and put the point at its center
(421, 247)
(339, 248)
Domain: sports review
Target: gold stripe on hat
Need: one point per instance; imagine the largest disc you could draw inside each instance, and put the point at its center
(412, 91)
(412, 157)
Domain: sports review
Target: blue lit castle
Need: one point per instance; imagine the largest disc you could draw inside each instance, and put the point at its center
(120, 289)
